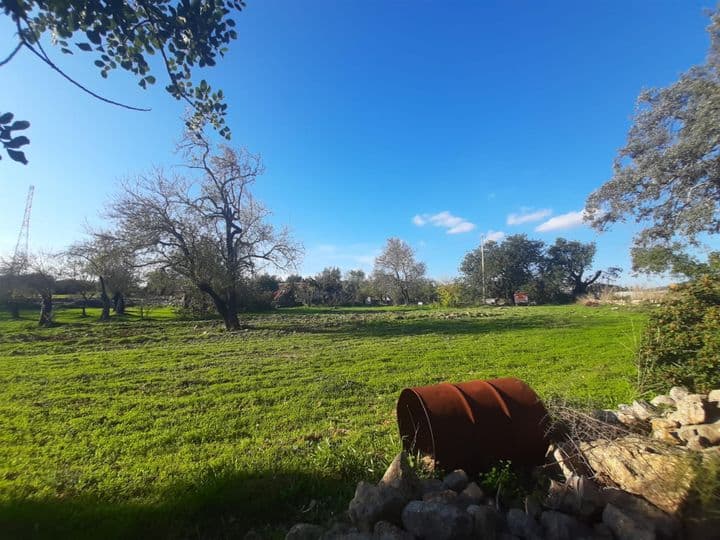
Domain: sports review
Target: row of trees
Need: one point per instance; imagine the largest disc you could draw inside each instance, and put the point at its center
(105, 270)
(560, 272)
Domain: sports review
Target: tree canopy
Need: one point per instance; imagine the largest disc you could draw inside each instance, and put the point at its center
(667, 176)
(569, 260)
(509, 266)
(210, 230)
(184, 34)
(397, 272)
(559, 272)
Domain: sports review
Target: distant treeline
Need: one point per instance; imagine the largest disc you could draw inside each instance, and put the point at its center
(491, 273)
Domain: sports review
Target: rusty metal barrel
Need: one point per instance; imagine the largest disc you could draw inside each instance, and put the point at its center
(472, 425)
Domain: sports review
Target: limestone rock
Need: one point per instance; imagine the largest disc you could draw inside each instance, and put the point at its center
(623, 526)
(678, 392)
(664, 429)
(456, 480)
(375, 503)
(642, 512)
(522, 525)
(644, 410)
(446, 496)
(428, 485)
(714, 396)
(668, 436)
(472, 493)
(304, 531)
(711, 432)
(691, 410)
(486, 521)
(384, 530)
(436, 521)
(663, 478)
(578, 496)
(343, 531)
(401, 476)
(662, 401)
(559, 526)
(697, 443)
(626, 416)
(664, 423)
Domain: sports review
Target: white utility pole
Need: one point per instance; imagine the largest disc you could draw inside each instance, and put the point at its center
(482, 264)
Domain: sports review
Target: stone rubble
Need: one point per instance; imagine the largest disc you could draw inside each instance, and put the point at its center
(632, 485)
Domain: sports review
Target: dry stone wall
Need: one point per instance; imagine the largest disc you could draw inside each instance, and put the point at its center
(635, 484)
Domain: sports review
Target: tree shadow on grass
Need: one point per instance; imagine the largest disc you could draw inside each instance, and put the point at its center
(218, 506)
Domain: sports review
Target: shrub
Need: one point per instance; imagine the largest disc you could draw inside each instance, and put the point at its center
(681, 344)
(449, 294)
(194, 304)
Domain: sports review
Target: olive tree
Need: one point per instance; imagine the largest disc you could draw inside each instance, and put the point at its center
(36, 277)
(509, 266)
(41, 281)
(111, 262)
(207, 228)
(569, 260)
(667, 176)
(76, 272)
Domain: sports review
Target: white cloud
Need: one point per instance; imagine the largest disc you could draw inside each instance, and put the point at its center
(561, 222)
(528, 216)
(462, 227)
(494, 236)
(453, 224)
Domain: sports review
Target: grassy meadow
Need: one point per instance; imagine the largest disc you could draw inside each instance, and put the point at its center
(170, 428)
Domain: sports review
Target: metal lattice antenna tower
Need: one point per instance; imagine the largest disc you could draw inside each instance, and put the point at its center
(20, 256)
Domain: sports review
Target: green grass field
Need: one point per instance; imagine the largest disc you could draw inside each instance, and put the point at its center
(168, 428)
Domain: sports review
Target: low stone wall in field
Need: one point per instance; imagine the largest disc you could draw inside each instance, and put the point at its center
(634, 473)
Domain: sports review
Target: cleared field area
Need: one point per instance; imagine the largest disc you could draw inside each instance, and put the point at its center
(170, 428)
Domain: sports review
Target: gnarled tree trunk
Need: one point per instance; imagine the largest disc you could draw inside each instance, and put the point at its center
(226, 308)
(14, 308)
(45, 310)
(580, 287)
(119, 303)
(105, 299)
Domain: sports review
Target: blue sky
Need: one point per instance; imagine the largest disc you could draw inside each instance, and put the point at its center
(432, 121)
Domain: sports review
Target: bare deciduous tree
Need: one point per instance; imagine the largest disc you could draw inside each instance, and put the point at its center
(396, 270)
(83, 281)
(41, 280)
(111, 262)
(210, 230)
